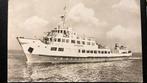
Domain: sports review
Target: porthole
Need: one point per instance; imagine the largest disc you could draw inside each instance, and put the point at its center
(79, 50)
(99, 52)
(91, 51)
(83, 51)
(95, 52)
(102, 52)
(88, 51)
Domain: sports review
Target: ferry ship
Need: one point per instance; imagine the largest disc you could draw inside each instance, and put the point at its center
(63, 45)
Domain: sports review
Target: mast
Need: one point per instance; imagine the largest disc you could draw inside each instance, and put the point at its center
(66, 10)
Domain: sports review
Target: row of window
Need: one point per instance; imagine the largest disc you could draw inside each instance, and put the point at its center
(64, 32)
(60, 31)
(72, 41)
(82, 51)
(55, 49)
(126, 52)
(94, 51)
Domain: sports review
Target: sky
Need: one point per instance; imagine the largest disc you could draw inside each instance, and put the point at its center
(106, 21)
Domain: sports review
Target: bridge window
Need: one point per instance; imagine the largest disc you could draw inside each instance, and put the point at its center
(59, 40)
(108, 52)
(59, 31)
(93, 44)
(78, 42)
(72, 41)
(63, 40)
(67, 40)
(64, 32)
(88, 43)
(83, 42)
(60, 49)
(55, 30)
(51, 39)
(53, 48)
(55, 39)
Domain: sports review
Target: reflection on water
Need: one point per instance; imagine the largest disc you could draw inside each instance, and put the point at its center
(118, 71)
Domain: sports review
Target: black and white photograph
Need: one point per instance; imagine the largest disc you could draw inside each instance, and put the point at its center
(74, 41)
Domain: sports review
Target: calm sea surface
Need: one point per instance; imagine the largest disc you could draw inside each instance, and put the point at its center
(116, 71)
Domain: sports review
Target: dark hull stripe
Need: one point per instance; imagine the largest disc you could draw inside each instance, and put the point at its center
(66, 59)
(82, 57)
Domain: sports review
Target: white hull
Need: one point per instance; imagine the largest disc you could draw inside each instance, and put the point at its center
(43, 53)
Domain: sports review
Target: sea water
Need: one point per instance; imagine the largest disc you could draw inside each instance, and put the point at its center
(115, 71)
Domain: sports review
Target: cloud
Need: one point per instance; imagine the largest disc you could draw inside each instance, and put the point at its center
(127, 36)
(83, 18)
(127, 5)
(80, 13)
(123, 33)
(34, 26)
